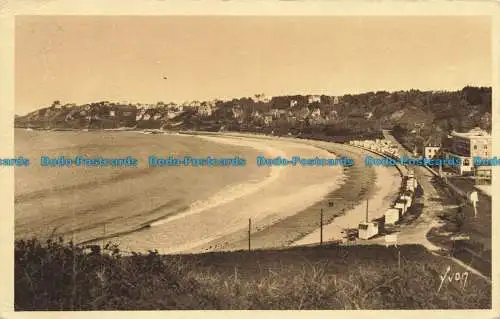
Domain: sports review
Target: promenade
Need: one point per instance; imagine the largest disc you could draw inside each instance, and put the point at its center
(440, 199)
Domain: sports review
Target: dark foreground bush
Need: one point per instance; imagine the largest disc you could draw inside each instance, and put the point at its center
(58, 276)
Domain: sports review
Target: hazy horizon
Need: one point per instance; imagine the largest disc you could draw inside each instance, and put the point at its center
(83, 59)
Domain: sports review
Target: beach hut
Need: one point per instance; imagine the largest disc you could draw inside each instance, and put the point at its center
(409, 193)
(412, 181)
(408, 200)
(401, 205)
(367, 230)
(410, 185)
(405, 200)
(392, 215)
(400, 210)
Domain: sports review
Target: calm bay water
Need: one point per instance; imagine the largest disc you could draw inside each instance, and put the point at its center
(91, 202)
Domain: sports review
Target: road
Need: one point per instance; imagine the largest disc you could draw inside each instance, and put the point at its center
(436, 202)
(416, 232)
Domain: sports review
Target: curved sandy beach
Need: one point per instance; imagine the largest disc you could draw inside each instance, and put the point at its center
(358, 183)
(177, 210)
(286, 191)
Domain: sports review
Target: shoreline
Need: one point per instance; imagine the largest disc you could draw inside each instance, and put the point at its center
(273, 230)
(201, 215)
(252, 193)
(356, 187)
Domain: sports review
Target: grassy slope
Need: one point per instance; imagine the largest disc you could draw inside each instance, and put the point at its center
(57, 276)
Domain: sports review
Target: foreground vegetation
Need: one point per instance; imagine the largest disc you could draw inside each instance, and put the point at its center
(60, 276)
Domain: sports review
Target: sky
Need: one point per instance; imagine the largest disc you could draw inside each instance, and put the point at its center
(81, 59)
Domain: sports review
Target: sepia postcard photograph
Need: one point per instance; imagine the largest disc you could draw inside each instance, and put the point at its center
(265, 161)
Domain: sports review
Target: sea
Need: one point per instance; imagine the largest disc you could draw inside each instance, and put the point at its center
(97, 203)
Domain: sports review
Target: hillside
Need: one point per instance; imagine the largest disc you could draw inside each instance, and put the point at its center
(421, 116)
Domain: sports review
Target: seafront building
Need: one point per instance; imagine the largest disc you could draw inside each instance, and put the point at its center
(465, 147)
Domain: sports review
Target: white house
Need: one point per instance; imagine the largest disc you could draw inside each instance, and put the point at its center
(256, 114)
(277, 113)
(205, 110)
(237, 112)
(268, 119)
(313, 99)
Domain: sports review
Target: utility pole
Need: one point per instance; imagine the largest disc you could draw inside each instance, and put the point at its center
(475, 174)
(399, 259)
(104, 237)
(249, 232)
(366, 218)
(321, 227)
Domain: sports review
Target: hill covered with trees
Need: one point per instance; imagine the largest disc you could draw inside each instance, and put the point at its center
(420, 116)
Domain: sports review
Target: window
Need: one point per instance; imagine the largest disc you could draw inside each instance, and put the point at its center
(485, 146)
(475, 147)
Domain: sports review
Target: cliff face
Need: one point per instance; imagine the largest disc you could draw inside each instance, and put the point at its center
(432, 113)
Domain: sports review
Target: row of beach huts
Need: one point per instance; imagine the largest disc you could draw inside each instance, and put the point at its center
(405, 199)
(382, 146)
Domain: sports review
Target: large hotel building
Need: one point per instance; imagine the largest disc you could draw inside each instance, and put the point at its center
(467, 146)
